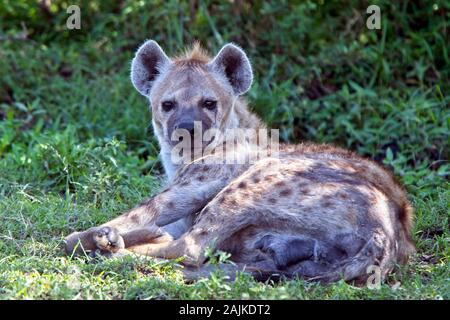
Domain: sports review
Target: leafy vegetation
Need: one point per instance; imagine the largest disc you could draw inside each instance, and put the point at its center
(76, 143)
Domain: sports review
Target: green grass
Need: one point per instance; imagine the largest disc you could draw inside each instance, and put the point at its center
(76, 144)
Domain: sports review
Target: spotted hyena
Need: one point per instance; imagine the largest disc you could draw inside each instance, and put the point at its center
(310, 210)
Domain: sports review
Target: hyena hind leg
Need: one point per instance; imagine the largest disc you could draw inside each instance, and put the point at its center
(373, 252)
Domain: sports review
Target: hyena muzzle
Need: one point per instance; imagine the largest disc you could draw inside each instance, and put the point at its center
(308, 210)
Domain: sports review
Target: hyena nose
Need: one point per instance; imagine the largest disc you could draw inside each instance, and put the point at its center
(189, 126)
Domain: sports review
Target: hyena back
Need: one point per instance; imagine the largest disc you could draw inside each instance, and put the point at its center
(314, 211)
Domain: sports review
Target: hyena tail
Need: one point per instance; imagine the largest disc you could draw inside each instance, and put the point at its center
(406, 245)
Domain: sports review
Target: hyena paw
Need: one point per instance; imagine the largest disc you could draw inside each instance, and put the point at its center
(108, 239)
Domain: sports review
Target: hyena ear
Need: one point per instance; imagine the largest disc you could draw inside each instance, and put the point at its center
(234, 64)
(149, 62)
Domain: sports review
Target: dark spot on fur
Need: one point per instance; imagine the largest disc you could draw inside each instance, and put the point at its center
(194, 169)
(228, 191)
(170, 205)
(257, 173)
(184, 183)
(327, 204)
(221, 199)
(256, 179)
(242, 185)
(298, 173)
(272, 200)
(201, 178)
(279, 184)
(304, 190)
(285, 192)
(343, 195)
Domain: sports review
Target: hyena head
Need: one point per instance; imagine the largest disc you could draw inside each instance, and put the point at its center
(190, 90)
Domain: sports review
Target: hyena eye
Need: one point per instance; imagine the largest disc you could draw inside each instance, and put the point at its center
(210, 104)
(168, 105)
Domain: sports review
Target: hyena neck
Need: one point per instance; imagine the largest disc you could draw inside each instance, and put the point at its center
(242, 118)
(169, 167)
(237, 129)
(239, 118)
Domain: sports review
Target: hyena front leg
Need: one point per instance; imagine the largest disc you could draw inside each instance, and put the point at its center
(209, 230)
(189, 193)
(115, 234)
(222, 217)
